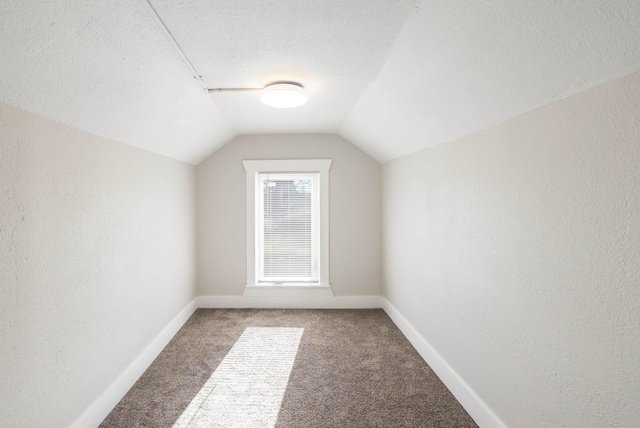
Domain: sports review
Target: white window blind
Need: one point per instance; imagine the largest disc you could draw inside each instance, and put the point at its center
(288, 227)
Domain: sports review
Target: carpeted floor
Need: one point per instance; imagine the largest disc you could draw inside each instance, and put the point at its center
(353, 368)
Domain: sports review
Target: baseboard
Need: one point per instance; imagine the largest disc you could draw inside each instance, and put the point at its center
(103, 405)
(241, 302)
(476, 408)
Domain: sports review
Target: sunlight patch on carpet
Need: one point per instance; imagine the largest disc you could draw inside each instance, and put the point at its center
(247, 388)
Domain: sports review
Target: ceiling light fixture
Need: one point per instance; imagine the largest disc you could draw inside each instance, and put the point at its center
(284, 95)
(276, 94)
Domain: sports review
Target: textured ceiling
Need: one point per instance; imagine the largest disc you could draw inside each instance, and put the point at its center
(461, 66)
(392, 77)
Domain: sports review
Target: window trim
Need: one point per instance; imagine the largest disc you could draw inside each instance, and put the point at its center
(252, 168)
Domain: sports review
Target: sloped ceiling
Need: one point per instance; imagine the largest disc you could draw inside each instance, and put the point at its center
(393, 77)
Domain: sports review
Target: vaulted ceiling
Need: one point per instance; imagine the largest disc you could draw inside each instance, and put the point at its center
(393, 77)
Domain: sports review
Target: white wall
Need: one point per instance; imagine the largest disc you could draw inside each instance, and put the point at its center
(354, 181)
(515, 252)
(97, 250)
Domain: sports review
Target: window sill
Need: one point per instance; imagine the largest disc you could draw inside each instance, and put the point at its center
(288, 290)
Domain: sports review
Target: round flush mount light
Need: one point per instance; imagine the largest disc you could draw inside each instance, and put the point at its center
(283, 95)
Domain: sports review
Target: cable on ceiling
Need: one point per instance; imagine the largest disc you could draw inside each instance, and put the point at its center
(174, 42)
(177, 47)
(298, 88)
(232, 89)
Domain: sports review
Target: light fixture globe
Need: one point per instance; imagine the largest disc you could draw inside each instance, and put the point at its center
(283, 95)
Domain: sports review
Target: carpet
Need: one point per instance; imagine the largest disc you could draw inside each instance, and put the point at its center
(345, 368)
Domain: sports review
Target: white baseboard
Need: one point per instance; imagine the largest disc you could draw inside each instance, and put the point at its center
(242, 302)
(102, 406)
(476, 408)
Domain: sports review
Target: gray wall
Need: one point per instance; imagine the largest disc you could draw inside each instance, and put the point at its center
(354, 218)
(97, 250)
(515, 252)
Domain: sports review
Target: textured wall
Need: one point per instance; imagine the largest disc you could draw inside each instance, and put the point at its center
(96, 257)
(516, 253)
(354, 218)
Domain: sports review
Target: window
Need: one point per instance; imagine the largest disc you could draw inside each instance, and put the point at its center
(287, 227)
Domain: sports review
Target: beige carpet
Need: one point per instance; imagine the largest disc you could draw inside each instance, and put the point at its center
(352, 368)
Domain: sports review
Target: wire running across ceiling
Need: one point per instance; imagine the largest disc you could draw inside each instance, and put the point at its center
(276, 94)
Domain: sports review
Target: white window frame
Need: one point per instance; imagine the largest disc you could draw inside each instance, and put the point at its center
(252, 168)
